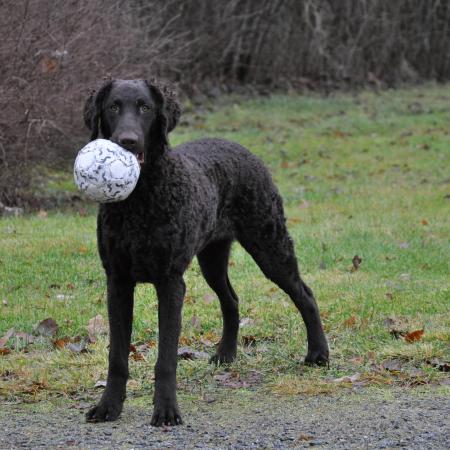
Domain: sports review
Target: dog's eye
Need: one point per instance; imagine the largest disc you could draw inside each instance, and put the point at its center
(144, 108)
(114, 108)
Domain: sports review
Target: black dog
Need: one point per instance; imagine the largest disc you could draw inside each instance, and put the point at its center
(192, 200)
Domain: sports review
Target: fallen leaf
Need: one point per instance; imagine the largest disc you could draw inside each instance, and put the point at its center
(78, 346)
(189, 353)
(389, 295)
(184, 340)
(357, 360)
(5, 302)
(392, 365)
(414, 336)
(61, 343)
(350, 322)
(42, 214)
(245, 322)
(24, 337)
(247, 341)
(356, 261)
(396, 326)
(4, 340)
(206, 342)
(136, 356)
(348, 378)
(48, 327)
(439, 365)
(70, 286)
(96, 327)
(304, 437)
(4, 351)
(424, 222)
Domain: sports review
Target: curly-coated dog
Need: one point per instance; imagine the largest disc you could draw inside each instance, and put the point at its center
(193, 200)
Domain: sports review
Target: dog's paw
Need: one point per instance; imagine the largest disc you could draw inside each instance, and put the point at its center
(166, 415)
(318, 357)
(105, 411)
(223, 357)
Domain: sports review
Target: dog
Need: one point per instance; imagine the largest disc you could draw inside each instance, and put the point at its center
(192, 200)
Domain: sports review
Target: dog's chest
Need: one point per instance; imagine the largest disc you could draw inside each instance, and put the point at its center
(142, 246)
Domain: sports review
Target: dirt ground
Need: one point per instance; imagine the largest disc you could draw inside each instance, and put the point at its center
(244, 420)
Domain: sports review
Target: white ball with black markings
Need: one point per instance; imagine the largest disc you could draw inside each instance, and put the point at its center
(106, 172)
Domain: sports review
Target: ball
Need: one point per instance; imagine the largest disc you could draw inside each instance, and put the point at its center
(106, 172)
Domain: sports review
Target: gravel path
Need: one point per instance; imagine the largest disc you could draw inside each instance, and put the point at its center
(249, 420)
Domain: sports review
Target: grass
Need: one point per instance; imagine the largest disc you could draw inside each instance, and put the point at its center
(361, 174)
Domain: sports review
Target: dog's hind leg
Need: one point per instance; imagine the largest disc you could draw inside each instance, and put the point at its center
(213, 261)
(273, 251)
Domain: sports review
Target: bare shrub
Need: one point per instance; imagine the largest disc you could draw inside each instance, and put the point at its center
(52, 53)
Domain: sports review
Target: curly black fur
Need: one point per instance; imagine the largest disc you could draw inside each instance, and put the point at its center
(193, 200)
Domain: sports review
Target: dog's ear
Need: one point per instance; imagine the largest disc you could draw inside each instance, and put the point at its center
(167, 114)
(93, 109)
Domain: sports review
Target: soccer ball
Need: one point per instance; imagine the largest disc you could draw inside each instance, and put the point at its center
(106, 172)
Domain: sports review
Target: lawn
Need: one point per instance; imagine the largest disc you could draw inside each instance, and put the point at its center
(361, 174)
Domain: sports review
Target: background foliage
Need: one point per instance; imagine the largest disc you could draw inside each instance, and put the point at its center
(52, 53)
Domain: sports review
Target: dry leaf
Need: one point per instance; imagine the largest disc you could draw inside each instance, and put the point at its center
(184, 340)
(100, 384)
(414, 336)
(248, 340)
(4, 340)
(42, 214)
(189, 353)
(424, 222)
(350, 322)
(348, 379)
(356, 261)
(48, 327)
(245, 322)
(392, 365)
(304, 437)
(96, 327)
(439, 365)
(61, 343)
(5, 302)
(79, 346)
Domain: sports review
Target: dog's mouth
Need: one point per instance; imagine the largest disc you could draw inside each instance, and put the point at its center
(140, 157)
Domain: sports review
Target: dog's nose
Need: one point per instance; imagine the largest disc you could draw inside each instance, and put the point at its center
(128, 140)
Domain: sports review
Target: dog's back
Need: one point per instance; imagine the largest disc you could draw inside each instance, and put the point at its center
(236, 172)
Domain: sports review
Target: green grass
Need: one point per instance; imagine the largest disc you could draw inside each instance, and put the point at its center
(362, 174)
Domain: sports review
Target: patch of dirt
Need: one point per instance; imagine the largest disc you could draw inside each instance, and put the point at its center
(245, 420)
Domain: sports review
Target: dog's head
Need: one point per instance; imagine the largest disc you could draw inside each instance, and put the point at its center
(136, 114)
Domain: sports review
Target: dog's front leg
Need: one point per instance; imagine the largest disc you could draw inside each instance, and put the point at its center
(170, 301)
(120, 313)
